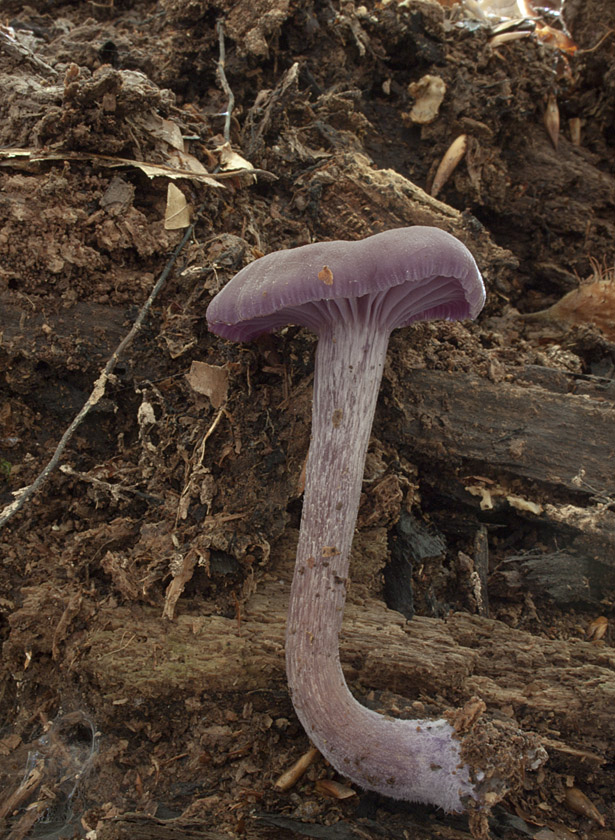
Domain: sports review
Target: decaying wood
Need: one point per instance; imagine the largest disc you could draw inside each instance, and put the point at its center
(351, 184)
(528, 432)
(133, 653)
(144, 827)
(88, 328)
(543, 451)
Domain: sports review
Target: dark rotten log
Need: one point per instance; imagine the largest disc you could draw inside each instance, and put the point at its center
(541, 448)
(521, 430)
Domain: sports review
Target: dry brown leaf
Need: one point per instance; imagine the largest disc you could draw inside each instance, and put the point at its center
(186, 162)
(579, 803)
(157, 170)
(177, 211)
(592, 303)
(196, 172)
(161, 129)
(336, 790)
(209, 380)
(118, 196)
(453, 155)
(231, 161)
(597, 628)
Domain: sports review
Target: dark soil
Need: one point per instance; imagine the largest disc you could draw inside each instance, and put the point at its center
(143, 589)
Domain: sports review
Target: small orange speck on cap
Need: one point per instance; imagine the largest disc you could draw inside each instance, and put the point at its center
(326, 275)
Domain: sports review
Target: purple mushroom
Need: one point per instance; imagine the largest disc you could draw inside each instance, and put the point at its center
(353, 294)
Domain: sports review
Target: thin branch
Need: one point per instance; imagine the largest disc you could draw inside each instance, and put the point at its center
(224, 82)
(595, 47)
(26, 493)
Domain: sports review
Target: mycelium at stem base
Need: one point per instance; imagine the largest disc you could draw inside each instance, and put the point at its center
(416, 760)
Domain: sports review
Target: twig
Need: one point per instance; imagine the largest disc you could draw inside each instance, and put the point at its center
(224, 82)
(211, 179)
(26, 493)
(122, 646)
(595, 47)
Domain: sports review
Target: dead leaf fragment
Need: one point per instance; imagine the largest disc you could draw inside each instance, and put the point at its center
(506, 38)
(592, 303)
(576, 800)
(335, 790)
(231, 161)
(428, 92)
(574, 123)
(453, 155)
(292, 776)
(551, 119)
(185, 162)
(118, 196)
(161, 129)
(177, 212)
(597, 628)
(195, 169)
(209, 380)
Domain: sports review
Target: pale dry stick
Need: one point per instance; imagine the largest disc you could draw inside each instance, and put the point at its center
(26, 789)
(26, 493)
(160, 169)
(224, 81)
(293, 774)
(209, 432)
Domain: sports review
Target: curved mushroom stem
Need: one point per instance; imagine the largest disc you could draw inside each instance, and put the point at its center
(415, 760)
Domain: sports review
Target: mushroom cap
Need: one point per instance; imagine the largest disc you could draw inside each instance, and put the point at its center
(397, 277)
